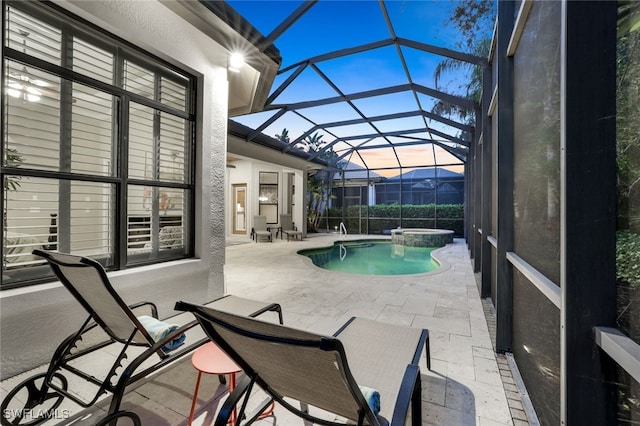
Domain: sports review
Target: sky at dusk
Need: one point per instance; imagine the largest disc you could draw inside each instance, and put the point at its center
(333, 25)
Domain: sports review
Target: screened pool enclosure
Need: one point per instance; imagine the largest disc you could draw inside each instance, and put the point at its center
(520, 133)
(528, 160)
(387, 156)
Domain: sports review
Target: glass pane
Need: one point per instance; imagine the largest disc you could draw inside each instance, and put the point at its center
(537, 140)
(268, 197)
(142, 164)
(173, 94)
(31, 206)
(32, 116)
(92, 227)
(92, 131)
(155, 221)
(33, 37)
(29, 203)
(173, 136)
(93, 61)
(138, 80)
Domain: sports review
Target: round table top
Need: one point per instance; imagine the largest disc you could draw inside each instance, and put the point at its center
(209, 358)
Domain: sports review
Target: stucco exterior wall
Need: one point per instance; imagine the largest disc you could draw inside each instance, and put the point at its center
(256, 159)
(34, 320)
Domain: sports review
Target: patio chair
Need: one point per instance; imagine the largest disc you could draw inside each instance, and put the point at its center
(260, 228)
(333, 374)
(287, 227)
(148, 343)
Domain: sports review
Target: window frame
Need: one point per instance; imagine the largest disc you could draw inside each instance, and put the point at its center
(71, 27)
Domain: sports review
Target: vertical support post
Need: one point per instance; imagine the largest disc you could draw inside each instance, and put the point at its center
(588, 204)
(343, 209)
(468, 201)
(468, 222)
(504, 299)
(486, 164)
(476, 155)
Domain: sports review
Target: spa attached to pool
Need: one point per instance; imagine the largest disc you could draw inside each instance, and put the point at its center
(421, 237)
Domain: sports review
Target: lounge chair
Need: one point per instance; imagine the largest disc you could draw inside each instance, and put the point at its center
(260, 228)
(149, 344)
(333, 374)
(287, 227)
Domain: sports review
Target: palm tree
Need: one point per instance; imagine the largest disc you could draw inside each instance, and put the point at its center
(474, 20)
(314, 142)
(284, 137)
(473, 87)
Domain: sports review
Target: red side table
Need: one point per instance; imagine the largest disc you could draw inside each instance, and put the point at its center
(210, 359)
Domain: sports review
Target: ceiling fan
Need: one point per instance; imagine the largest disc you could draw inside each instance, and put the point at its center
(21, 85)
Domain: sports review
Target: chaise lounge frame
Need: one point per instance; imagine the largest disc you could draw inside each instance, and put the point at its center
(321, 371)
(88, 282)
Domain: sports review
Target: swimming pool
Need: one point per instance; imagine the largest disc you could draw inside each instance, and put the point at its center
(373, 258)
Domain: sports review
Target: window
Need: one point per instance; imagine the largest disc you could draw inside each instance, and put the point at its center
(97, 147)
(268, 197)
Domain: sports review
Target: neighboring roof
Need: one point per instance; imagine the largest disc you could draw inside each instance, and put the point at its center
(427, 173)
(353, 171)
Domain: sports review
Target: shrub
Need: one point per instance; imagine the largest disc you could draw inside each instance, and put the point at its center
(628, 258)
(384, 217)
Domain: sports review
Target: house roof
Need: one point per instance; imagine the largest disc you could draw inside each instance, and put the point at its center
(427, 173)
(353, 171)
(251, 84)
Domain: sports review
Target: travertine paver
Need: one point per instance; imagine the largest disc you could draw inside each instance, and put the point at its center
(464, 386)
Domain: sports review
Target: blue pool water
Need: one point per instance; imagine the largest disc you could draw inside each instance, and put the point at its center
(373, 258)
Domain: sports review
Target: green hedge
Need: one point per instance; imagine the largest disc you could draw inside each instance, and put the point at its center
(628, 258)
(383, 218)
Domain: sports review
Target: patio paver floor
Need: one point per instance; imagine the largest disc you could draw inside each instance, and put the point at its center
(464, 386)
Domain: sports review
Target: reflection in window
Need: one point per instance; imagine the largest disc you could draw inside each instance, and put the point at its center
(628, 192)
(268, 196)
(155, 221)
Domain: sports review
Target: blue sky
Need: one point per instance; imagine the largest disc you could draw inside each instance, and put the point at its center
(333, 25)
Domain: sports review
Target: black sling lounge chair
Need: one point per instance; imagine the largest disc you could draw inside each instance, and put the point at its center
(36, 399)
(330, 373)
